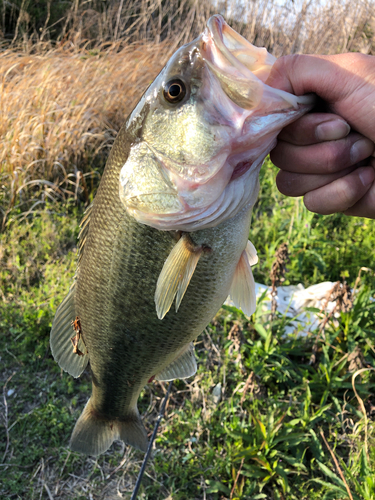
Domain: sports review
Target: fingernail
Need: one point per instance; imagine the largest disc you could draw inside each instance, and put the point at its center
(361, 149)
(366, 175)
(332, 130)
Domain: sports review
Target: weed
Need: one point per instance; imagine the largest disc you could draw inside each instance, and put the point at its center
(249, 425)
(268, 416)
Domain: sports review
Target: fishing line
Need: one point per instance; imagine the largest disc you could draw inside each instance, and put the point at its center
(148, 452)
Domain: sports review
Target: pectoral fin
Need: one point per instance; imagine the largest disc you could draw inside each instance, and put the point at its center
(184, 366)
(67, 345)
(176, 275)
(242, 291)
(251, 253)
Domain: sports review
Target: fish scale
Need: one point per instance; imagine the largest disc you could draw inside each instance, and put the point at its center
(115, 292)
(165, 241)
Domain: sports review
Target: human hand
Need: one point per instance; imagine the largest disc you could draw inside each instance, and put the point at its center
(327, 156)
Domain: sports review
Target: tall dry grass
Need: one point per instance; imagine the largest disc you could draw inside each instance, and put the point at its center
(314, 26)
(59, 115)
(62, 101)
(306, 26)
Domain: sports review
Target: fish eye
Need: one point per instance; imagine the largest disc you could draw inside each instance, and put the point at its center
(174, 91)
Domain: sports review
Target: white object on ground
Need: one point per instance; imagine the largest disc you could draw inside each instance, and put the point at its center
(293, 300)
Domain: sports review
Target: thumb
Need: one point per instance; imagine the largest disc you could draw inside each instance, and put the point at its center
(346, 82)
(302, 74)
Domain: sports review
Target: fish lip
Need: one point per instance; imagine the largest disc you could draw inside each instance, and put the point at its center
(215, 25)
(213, 41)
(230, 46)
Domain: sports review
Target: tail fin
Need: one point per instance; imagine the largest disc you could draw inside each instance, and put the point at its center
(132, 431)
(93, 434)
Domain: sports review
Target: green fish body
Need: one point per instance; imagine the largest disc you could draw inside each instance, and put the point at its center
(156, 233)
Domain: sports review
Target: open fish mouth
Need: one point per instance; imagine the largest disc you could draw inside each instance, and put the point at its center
(210, 120)
(242, 70)
(241, 67)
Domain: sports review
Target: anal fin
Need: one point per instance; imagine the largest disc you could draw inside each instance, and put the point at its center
(184, 366)
(67, 345)
(242, 291)
(176, 274)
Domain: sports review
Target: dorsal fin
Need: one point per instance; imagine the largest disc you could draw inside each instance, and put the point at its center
(176, 274)
(66, 340)
(242, 290)
(84, 229)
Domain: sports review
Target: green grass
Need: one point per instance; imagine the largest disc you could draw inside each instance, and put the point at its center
(281, 396)
(322, 248)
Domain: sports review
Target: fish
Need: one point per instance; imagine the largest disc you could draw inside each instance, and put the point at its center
(166, 239)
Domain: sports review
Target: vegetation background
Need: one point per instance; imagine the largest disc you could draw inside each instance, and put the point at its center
(268, 415)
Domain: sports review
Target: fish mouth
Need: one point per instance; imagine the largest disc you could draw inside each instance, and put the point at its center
(240, 67)
(241, 70)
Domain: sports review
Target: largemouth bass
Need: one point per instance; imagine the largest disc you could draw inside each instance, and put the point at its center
(170, 223)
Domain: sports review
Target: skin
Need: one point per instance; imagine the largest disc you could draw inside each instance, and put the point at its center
(328, 157)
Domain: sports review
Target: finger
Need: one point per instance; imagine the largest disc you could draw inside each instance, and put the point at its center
(313, 128)
(293, 184)
(322, 158)
(365, 207)
(341, 194)
(297, 74)
(345, 82)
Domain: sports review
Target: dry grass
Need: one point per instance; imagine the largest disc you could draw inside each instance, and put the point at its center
(60, 111)
(61, 103)
(307, 26)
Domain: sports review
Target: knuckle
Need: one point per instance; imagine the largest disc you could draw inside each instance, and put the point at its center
(335, 156)
(328, 162)
(346, 193)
